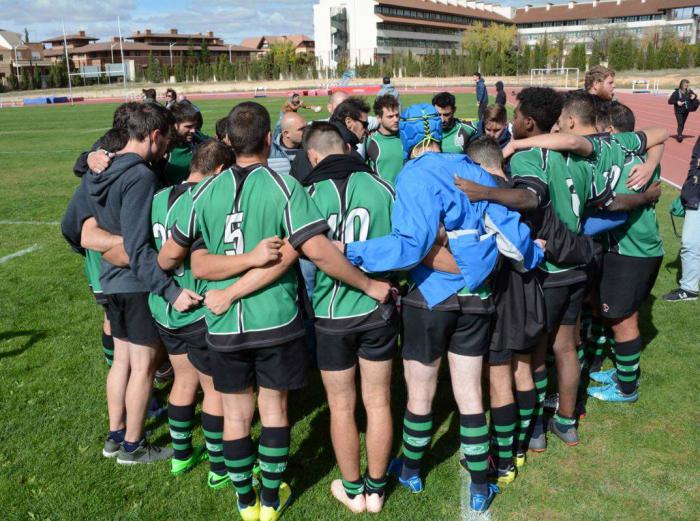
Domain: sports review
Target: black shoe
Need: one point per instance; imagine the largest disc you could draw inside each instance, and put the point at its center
(679, 295)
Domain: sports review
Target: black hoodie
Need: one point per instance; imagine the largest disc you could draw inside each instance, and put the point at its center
(336, 166)
(301, 167)
(120, 200)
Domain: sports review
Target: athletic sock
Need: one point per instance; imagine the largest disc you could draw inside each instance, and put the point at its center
(354, 488)
(540, 378)
(564, 423)
(131, 446)
(213, 427)
(108, 348)
(180, 420)
(273, 453)
(526, 407)
(586, 319)
(417, 431)
(117, 435)
(581, 354)
(239, 456)
(375, 485)
(627, 355)
(503, 421)
(474, 438)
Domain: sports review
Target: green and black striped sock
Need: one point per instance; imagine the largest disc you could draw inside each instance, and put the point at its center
(540, 378)
(503, 421)
(273, 454)
(375, 485)
(180, 420)
(526, 407)
(213, 427)
(564, 423)
(627, 356)
(239, 456)
(474, 439)
(108, 348)
(354, 488)
(417, 431)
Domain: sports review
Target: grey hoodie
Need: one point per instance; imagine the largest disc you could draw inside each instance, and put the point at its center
(120, 200)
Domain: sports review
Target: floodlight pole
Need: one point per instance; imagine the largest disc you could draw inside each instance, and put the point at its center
(111, 50)
(16, 63)
(121, 50)
(230, 60)
(65, 50)
(170, 48)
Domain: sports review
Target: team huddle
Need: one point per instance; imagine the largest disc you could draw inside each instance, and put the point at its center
(518, 251)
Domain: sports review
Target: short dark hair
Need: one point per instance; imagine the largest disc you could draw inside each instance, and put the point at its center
(248, 127)
(209, 155)
(477, 74)
(496, 113)
(184, 111)
(323, 137)
(121, 115)
(171, 91)
(486, 151)
(220, 128)
(352, 108)
(386, 101)
(386, 80)
(542, 104)
(114, 139)
(582, 105)
(617, 115)
(149, 93)
(147, 118)
(444, 99)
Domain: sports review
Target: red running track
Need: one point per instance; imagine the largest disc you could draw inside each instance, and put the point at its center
(653, 110)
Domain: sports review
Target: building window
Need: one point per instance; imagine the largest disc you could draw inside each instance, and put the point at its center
(419, 14)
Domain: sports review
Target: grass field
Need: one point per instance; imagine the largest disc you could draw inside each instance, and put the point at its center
(635, 462)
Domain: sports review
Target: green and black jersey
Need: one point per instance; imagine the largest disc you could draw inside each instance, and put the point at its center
(385, 155)
(91, 267)
(564, 181)
(357, 208)
(457, 139)
(177, 167)
(231, 213)
(639, 235)
(168, 205)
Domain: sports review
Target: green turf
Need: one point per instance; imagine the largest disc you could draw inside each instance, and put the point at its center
(634, 462)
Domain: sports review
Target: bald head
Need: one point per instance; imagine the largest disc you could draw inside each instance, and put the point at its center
(292, 126)
(336, 99)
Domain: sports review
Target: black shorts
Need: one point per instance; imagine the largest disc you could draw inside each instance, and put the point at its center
(340, 352)
(505, 356)
(130, 318)
(626, 282)
(563, 304)
(281, 367)
(179, 341)
(427, 335)
(100, 298)
(200, 358)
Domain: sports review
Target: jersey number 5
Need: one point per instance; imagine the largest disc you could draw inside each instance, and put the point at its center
(233, 235)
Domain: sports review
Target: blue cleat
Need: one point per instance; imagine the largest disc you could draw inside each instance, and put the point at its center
(414, 483)
(612, 393)
(604, 377)
(479, 502)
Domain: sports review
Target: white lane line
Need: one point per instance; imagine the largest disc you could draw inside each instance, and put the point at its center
(671, 183)
(33, 223)
(19, 253)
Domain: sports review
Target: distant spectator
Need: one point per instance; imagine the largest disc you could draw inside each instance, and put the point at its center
(149, 96)
(388, 88)
(482, 95)
(600, 82)
(682, 100)
(170, 98)
(501, 98)
(289, 140)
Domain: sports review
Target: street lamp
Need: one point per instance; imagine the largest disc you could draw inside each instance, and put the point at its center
(170, 48)
(16, 63)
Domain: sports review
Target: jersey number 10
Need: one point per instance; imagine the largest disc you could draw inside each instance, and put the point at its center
(347, 234)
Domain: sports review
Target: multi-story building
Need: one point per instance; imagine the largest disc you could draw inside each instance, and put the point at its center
(16, 56)
(361, 31)
(302, 44)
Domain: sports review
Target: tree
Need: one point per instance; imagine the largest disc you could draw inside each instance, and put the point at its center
(26, 35)
(597, 55)
(577, 57)
(685, 59)
(526, 60)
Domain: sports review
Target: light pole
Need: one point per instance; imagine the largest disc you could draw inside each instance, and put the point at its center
(170, 48)
(111, 50)
(230, 60)
(16, 63)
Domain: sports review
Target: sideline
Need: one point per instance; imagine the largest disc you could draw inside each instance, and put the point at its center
(19, 253)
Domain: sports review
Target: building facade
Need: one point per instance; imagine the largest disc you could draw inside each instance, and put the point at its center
(18, 56)
(362, 31)
(302, 44)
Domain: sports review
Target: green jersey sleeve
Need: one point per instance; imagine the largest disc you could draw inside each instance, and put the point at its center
(184, 228)
(302, 218)
(529, 171)
(632, 142)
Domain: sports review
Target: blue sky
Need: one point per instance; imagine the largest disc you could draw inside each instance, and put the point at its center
(231, 19)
